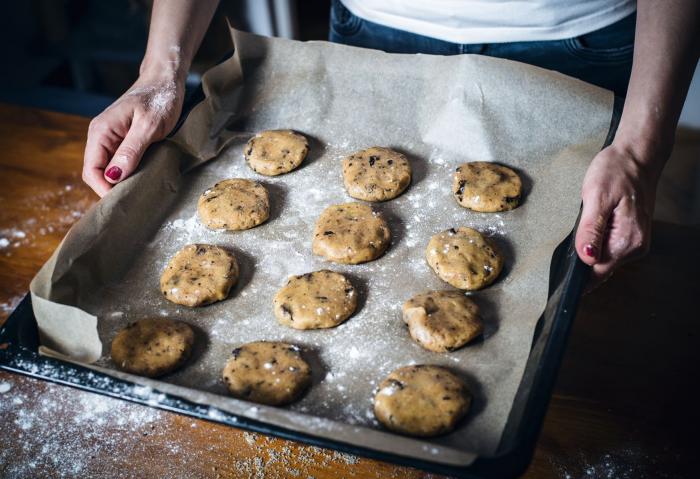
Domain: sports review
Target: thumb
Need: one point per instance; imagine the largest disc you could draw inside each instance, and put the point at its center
(592, 229)
(128, 154)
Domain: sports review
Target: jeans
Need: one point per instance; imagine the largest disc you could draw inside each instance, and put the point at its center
(602, 57)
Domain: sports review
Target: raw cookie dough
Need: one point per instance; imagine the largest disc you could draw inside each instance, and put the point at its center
(199, 274)
(442, 321)
(350, 233)
(234, 204)
(486, 187)
(267, 373)
(322, 299)
(376, 174)
(275, 152)
(421, 401)
(464, 258)
(152, 347)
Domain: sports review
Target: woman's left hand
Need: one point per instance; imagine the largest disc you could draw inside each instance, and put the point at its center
(618, 203)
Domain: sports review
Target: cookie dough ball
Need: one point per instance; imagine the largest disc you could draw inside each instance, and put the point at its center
(267, 373)
(152, 347)
(376, 174)
(464, 258)
(322, 299)
(350, 233)
(486, 187)
(275, 152)
(421, 401)
(234, 204)
(199, 274)
(442, 321)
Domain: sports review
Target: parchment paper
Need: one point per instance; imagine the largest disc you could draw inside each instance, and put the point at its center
(439, 111)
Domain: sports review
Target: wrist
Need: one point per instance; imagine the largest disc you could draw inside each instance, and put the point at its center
(167, 67)
(646, 137)
(649, 157)
(645, 131)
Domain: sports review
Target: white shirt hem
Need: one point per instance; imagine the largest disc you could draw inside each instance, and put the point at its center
(472, 35)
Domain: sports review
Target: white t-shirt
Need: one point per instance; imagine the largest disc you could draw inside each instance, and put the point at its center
(493, 21)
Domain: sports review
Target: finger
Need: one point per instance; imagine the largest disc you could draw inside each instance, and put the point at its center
(592, 229)
(129, 152)
(600, 273)
(101, 143)
(94, 177)
(627, 239)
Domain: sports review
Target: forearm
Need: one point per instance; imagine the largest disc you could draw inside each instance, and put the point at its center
(176, 31)
(666, 50)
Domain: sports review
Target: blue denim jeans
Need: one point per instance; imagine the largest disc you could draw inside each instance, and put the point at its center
(602, 57)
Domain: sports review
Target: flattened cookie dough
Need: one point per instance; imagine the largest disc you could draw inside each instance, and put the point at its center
(486, 187)
(235, 204)
(376, 174)
(350, 233)
(421, 401)
(322, 299)
(199, 274)
(275, 152)
(442, 321)
(152, 347)
(464, 258)
(267, 373)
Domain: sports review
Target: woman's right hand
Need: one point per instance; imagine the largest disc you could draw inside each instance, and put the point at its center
(118, 137)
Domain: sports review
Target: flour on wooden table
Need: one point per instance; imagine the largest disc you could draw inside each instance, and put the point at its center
(53, 435)
(57, 431)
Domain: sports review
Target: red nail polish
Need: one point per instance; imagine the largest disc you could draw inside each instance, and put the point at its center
(590, 250)
(114, 173)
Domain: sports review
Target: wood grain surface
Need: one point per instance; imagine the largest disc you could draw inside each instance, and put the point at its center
(625, 404)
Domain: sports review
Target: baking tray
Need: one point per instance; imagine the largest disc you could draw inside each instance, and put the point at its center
(19, 344)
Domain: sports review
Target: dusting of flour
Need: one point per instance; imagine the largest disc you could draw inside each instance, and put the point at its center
(347, 361)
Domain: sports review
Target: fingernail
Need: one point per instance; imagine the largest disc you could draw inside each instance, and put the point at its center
(114, 173)
(590, 250)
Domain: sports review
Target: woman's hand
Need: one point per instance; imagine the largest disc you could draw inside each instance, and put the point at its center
(620, 186)
(618, 203)
(118, 137)
(146, 113)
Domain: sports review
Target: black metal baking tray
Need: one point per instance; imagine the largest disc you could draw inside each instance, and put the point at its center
(19, 343)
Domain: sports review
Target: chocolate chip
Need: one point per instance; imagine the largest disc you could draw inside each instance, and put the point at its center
(285, 309)
(394, 382)
(460, 189)
(328, 233)
(372, 159)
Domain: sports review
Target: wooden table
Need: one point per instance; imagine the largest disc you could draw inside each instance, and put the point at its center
(625, 404)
